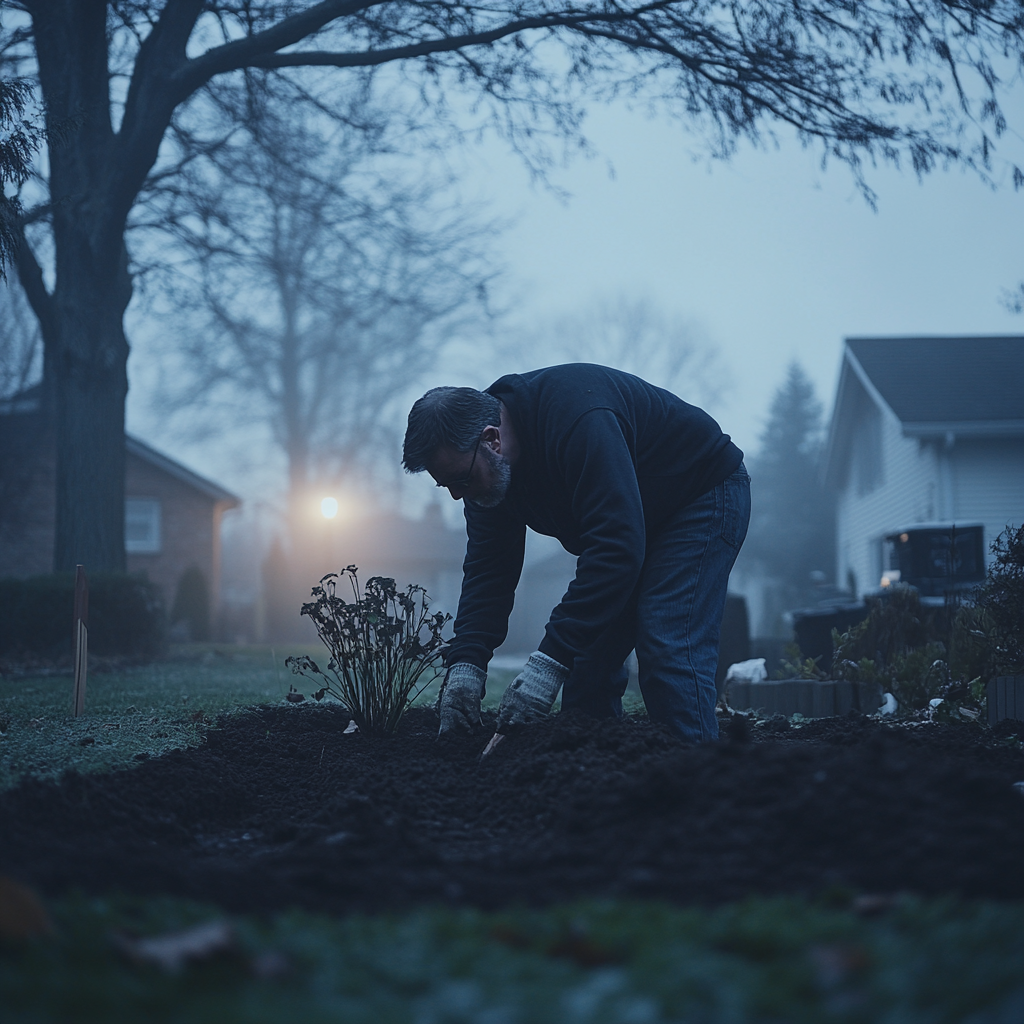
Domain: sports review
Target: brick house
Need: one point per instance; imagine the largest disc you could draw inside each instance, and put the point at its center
(172, 515)
(925, 433)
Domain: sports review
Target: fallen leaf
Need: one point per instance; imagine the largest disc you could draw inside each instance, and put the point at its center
(22, 916)
(172, 951)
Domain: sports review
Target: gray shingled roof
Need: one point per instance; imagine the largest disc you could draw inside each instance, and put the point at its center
(946, 380)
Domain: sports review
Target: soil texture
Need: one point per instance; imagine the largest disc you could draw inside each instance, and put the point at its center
(279, 807)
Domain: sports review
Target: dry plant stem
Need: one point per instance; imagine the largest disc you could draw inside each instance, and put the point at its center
(381, 643)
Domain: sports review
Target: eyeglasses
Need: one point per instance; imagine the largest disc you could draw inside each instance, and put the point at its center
(462, 482)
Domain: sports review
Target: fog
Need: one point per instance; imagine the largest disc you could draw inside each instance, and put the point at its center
(767, 256)
(773, 257)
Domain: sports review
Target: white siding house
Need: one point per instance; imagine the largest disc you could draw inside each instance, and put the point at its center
(924, 430)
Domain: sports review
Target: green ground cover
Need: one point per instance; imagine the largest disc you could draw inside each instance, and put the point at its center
(627, 963)
(146, 710)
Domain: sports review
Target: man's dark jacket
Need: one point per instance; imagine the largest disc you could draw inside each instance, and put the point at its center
(605, 459)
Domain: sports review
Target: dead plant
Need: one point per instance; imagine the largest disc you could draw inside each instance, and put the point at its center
(382, 643)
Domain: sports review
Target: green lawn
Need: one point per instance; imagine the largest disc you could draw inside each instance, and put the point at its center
(629, 963)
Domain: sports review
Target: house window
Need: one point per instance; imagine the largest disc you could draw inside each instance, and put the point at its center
(142, 526)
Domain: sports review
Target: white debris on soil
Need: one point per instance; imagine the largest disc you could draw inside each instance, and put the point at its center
(752, 671)
(172, 951)
(889, 706)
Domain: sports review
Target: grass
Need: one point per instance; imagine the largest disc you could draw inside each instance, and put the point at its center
(146, 710)
(762, 960)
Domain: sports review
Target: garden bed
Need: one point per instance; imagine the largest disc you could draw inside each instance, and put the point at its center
(279, 807)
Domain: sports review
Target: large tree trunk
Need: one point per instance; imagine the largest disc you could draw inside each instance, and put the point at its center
(87, 351)
(90, 387)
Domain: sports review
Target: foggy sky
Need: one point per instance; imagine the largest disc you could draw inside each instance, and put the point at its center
(772, 257)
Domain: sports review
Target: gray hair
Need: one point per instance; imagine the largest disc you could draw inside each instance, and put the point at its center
(447, 418)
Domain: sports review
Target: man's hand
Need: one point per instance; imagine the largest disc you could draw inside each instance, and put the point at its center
(458, 700)
(530, 695)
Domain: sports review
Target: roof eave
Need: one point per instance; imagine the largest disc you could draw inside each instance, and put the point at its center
(851, 368)
(163, 462)
(964, 428)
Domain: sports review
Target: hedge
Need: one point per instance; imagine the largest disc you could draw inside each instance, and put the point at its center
(126, 616)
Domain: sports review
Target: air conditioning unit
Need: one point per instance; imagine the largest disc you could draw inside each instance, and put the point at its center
(936, 558)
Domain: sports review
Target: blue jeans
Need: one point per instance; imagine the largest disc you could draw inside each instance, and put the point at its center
(673, 619)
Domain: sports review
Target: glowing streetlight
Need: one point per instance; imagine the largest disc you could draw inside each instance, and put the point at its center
(329, 508)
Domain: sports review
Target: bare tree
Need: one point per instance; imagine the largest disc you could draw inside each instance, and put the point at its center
(1013, 300)
(635, 335)
(21, 350)
(865, 79)
(20, 136)
(322, 279)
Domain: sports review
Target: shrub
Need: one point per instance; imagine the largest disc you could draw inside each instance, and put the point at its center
(795, 666)
(1002, 598)
(988, 635)
(126, 616)
(381, 644)
(895, 648)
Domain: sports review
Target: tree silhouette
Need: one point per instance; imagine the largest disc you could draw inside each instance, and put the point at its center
(792, 524)
(867, 80)
(363, 272)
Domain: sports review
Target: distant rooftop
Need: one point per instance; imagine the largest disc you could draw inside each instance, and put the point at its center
(29, 403)
(945, 379)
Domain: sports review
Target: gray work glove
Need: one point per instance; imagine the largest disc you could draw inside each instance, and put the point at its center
(458, 700)
(530, 695)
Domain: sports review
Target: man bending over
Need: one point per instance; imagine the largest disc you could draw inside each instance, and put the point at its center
(649, 494)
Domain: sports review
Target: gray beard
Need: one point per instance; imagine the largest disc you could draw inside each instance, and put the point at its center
(496, 492)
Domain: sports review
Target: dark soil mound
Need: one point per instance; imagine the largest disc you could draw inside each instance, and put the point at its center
(279, 807)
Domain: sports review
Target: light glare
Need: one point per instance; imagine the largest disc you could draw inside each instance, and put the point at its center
(329, 507)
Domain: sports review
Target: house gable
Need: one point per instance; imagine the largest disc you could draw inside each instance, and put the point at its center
(186, 508)
(907, 445)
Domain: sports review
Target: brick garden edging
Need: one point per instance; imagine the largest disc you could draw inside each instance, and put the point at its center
(812, 698)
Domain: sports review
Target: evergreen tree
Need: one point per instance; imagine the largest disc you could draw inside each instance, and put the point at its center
(792, 523)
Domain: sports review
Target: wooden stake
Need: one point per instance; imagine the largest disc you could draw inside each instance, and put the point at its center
(81, 636)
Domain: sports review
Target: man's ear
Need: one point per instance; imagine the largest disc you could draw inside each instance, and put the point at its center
(491, 436)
